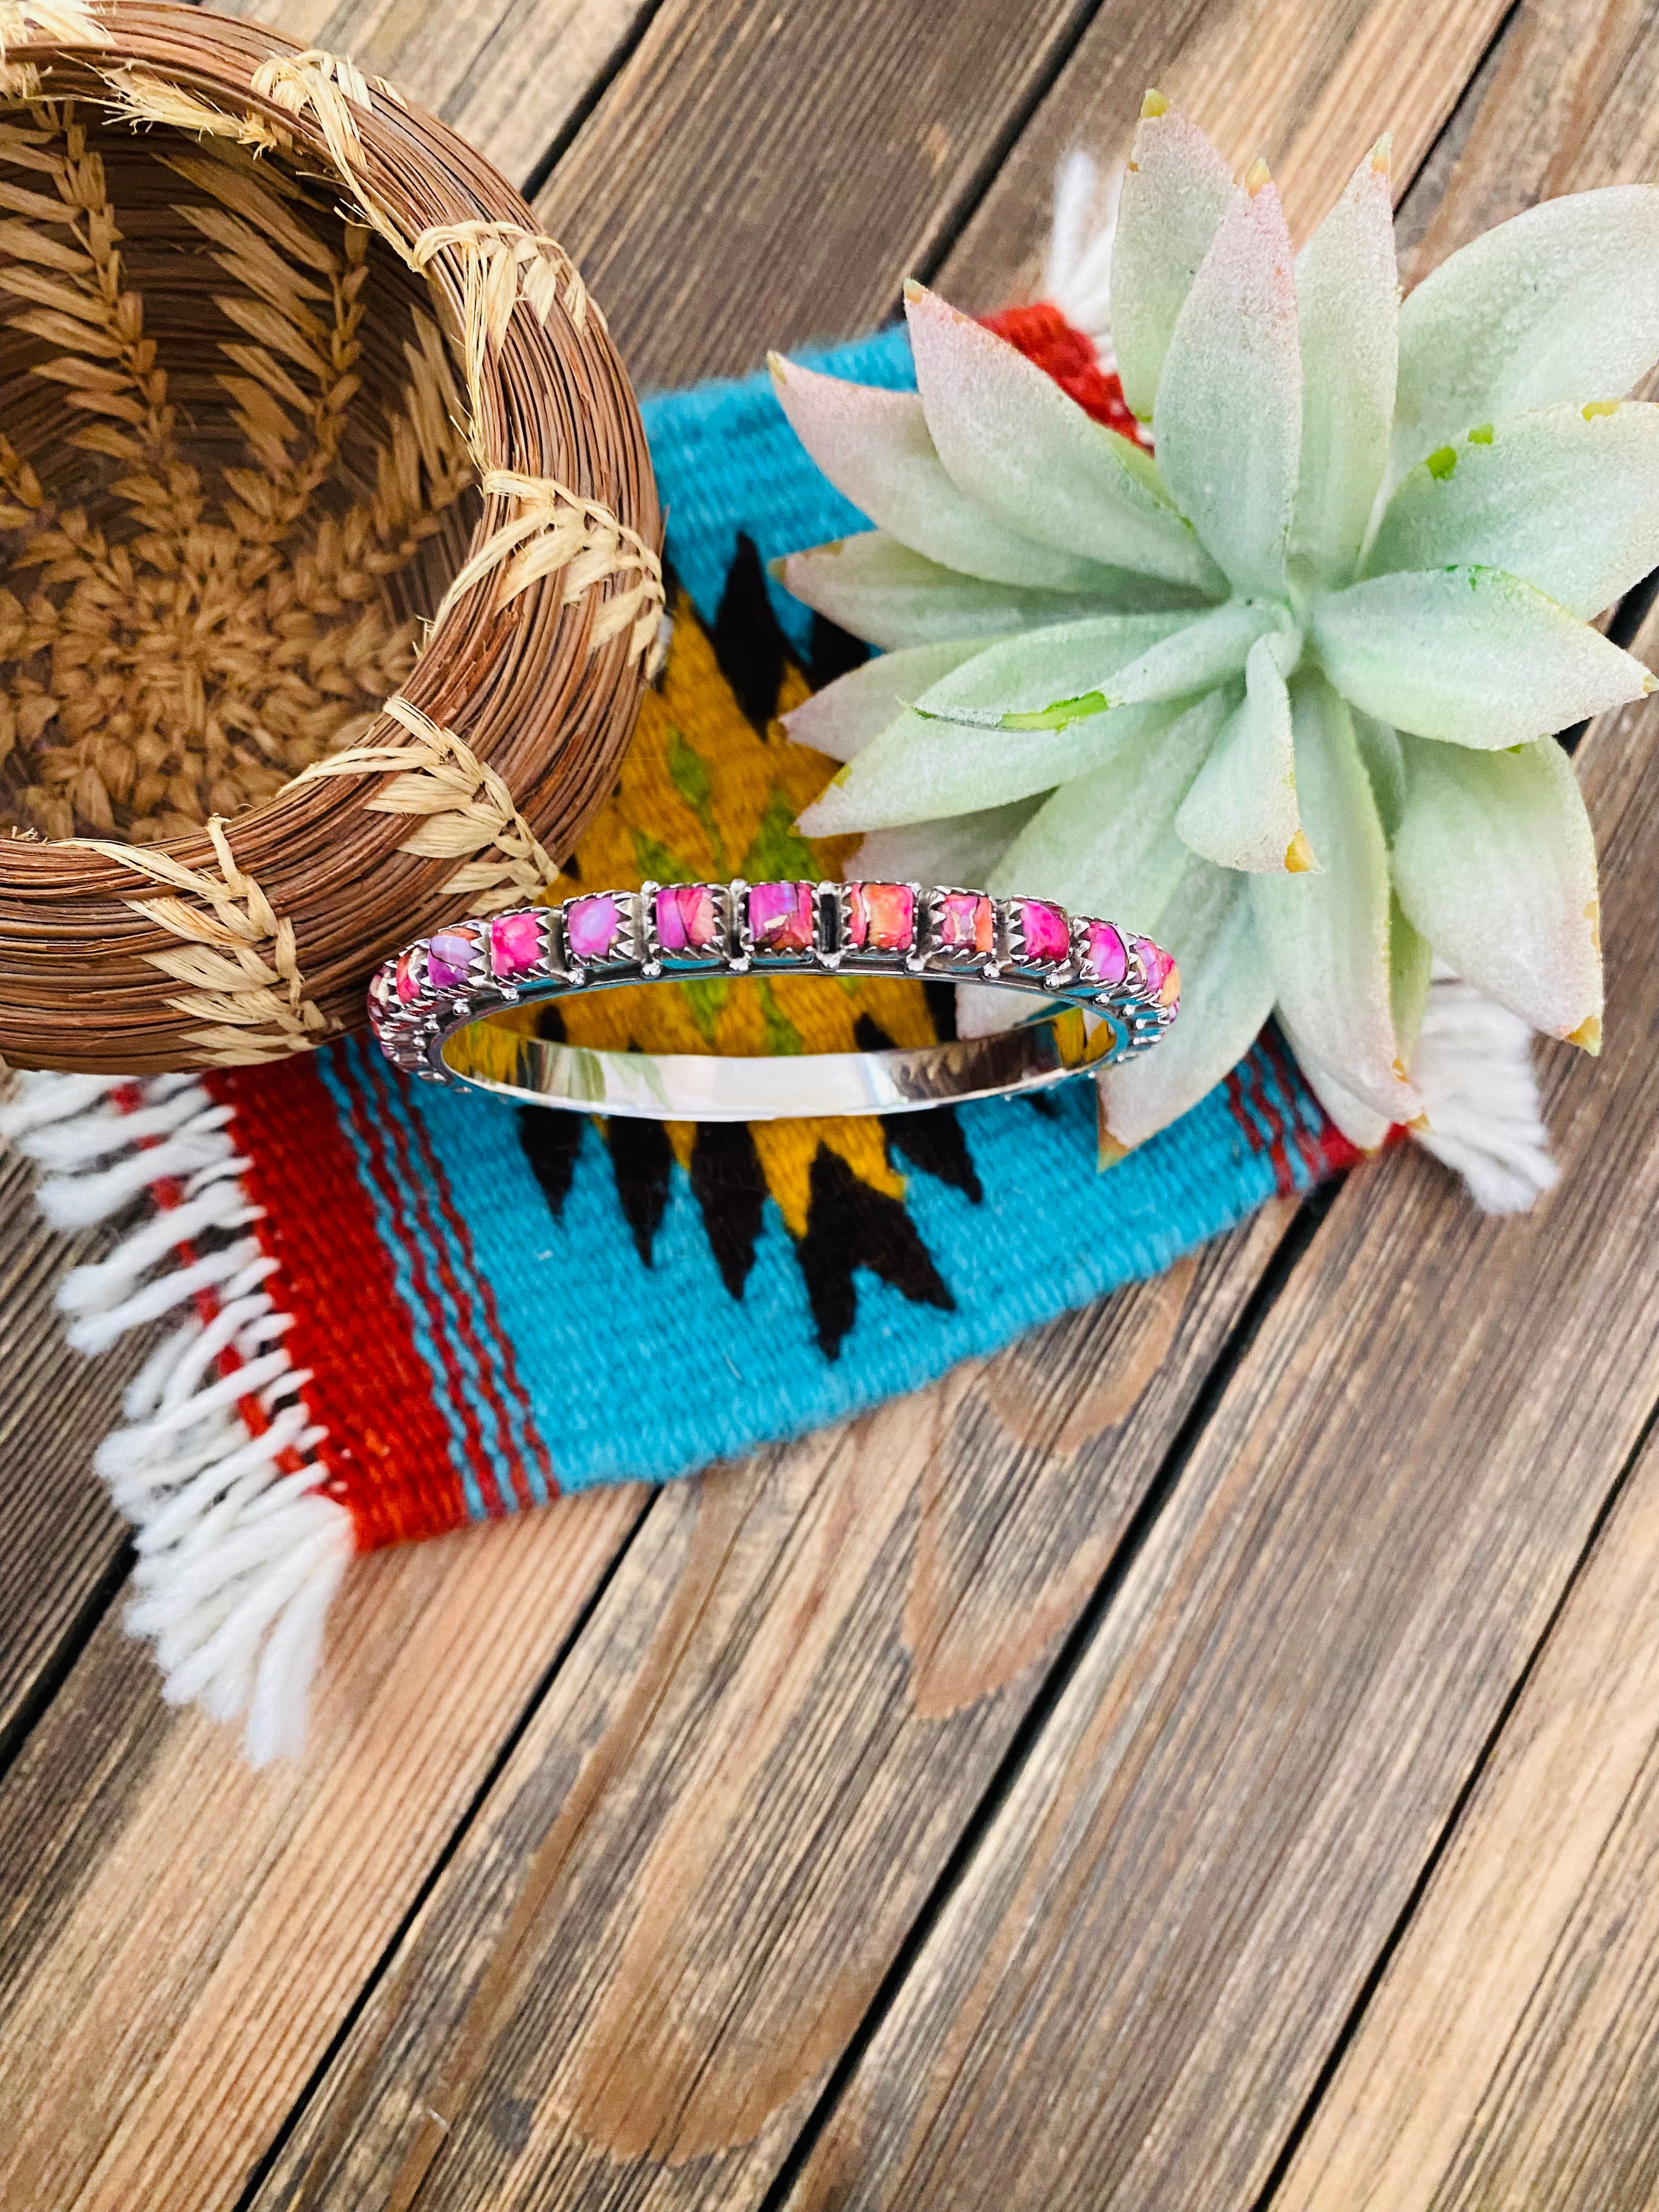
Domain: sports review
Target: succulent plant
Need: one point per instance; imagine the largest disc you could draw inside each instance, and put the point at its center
(1279, 692)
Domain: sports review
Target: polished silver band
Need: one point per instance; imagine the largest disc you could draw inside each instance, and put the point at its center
(1104, 994)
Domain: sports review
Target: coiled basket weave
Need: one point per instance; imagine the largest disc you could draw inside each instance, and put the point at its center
(285, 369)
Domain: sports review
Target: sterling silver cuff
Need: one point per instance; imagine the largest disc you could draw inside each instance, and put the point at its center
(1105, 994)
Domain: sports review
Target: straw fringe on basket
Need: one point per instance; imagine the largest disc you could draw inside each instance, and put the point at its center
(468, 810)
(504, 734)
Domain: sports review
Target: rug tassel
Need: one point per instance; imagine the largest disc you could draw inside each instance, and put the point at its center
(1482, 1117)
(240, 1549)
(1077, 275)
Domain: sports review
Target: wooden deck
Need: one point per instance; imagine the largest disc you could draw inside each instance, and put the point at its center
(1207, 1757)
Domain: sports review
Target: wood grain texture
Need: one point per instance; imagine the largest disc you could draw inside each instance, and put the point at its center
(1511, 2056)
(1308, 88)
(180, 1937)
(765, 175)
(508, 75)
(695, 1871)
(60, 1538)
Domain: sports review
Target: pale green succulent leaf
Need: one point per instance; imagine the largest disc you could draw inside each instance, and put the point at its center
(1566, 498)
(1049, 678)
(1105, 842)
(1347, 293)
(1361, 1125)
(1471, 655)
(1495, 865)
(879, 590)
(1176, 191)
(1411, 970)
(1560, 303)
(1036, 683)
(841, 720)
(921, 770)
(1228, 422)
(874, 446)
(1326, 934)
(1242, 812)
(1024, 452)
(963, 849)
(1379, 748)
(1226, 994)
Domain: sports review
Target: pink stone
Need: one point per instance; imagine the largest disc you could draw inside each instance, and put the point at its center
(780, 917)
(515, 943)
(966, 922)
(1163, 976)
(448, 958)
(881, 917)
(1103, 954)
(592, 926)
(1046, 937)
(409, 983)
(687, 918)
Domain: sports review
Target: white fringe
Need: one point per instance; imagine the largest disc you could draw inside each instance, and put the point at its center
(1481, 1117)
(237, 1561)
(1077, 273)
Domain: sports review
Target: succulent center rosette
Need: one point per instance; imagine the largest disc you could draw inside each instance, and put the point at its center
(1281, 692)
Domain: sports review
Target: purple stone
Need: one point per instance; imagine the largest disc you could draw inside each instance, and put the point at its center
(688, 920)
(592, 926)
(780, 917)
(1047, 938)
(449, 957)
(1104, 956)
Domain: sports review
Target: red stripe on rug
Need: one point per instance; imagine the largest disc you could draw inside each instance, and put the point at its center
(434, 1180)
(1329, 1152)
(384, 1148)
(387, 1448)
(503, 1342)
(409, 1185)
(1260, 1118)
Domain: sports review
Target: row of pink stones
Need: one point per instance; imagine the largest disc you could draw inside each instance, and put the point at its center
(880, 918)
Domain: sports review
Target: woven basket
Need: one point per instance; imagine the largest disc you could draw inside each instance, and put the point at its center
(284, 368)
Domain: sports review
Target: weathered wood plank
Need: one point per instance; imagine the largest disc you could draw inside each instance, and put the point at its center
(642, 1974)
(763, 176)
(59, 1536)
(182, 1935)
(508, 75)
(1132, 1989)
(1510, 2055)
(1301, 87)
(699, 1863)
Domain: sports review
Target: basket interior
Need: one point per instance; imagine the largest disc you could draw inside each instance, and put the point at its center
(233, 474)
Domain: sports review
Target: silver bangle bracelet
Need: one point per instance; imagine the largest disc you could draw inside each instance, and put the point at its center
(1106, 995)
